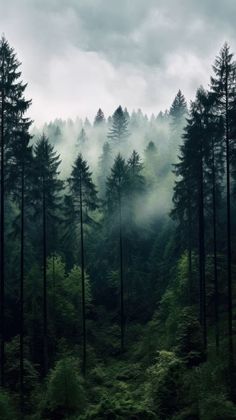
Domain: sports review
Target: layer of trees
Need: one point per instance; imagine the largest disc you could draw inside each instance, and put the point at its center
(115, 303)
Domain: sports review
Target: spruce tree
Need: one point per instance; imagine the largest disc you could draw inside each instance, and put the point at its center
(118, 132)
(104, 167)
(13, 106)
(84, 197)
(99, 119)
(223, 86)
(116, 195)
(47, 199)
(178, 109)
(82, 138)
(190, 192)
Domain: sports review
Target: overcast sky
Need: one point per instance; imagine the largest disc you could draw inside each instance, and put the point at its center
(79, 55)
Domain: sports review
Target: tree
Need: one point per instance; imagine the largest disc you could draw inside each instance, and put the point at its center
(190, 191)
(13, 106)
(223, 86)
(117, 184)
(118, 132)
(47, 199)
(84, 196)
(151, 166)
(65, 392)
(23, 161)
(105, 163)
(178, 109)
(82, 138)
(99, 119)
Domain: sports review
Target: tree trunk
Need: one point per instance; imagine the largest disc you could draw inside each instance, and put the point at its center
(2, 238)
(202, 254)
(216, 286)
(83, 279)
(122, 326)
(22, 284)
(189, 250)
(229, 265)
(45, 311)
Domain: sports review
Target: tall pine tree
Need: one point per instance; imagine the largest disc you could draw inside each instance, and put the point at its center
(84, 197)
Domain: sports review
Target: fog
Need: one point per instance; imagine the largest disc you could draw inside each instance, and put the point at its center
(72, 137)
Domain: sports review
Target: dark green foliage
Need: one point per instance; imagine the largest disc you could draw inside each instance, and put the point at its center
(189, 344)
(164, 384)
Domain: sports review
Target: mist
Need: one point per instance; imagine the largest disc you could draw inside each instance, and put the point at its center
(65, 135)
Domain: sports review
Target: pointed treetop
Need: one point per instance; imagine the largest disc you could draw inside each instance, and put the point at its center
(179, 106)
(119, 129)
(99, 119)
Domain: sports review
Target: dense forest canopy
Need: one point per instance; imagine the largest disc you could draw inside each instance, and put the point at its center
(118, 264)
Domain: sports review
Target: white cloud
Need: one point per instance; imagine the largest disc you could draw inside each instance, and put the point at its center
(79, 55)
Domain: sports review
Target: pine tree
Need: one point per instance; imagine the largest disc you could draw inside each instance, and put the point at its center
(117, 184)
(177, 116)
(99, 119)
(190, 191)
(13, 105)
(214, 168)
(118, 132)
(136, 182)
(104, 167)
(223, 86)
(23, 162)
(47, 199)
(82, 138)
(84, 196)
(151, 166)
(178, 109)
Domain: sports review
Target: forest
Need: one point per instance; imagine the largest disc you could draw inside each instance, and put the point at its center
(118, 257)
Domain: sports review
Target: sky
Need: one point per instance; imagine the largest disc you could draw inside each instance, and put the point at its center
(79, 55)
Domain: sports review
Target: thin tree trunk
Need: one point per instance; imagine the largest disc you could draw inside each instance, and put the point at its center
(122, 326)
(2, 239)
(22, 285)
(189, 250)
(202, 255)
(229, 265)
(216, 286)
(45, 311)
(83, 280)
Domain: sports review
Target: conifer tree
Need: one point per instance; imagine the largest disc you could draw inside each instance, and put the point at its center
(117, 185)
(13, 106)
(189, 192)
(47, 198)
(104, 167)
(118, 132)
(82, 138)
(84, 197)
(178, 109)
(99, 119)
(223, 85)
